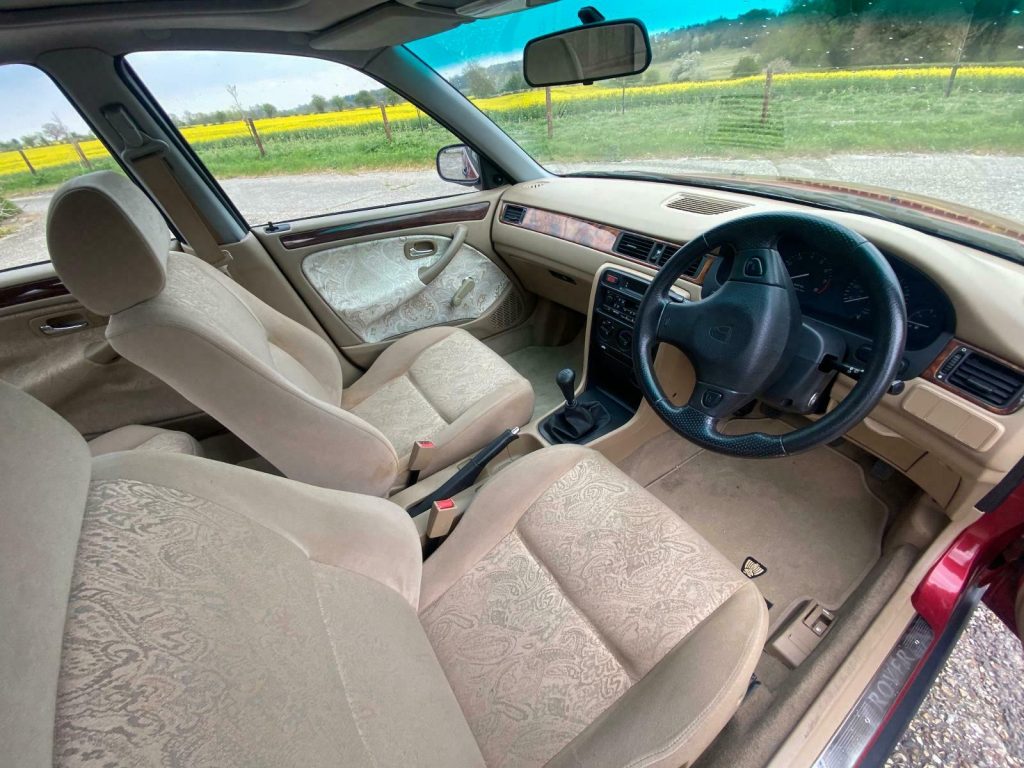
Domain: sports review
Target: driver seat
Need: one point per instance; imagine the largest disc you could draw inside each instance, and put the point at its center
(160, 609)
(271, 381)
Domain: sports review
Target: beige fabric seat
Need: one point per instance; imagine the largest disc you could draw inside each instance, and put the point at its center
(136, 437)
(274, 383)
(169, 610)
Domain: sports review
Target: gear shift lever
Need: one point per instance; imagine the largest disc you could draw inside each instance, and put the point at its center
(575, 420)
(566, 380)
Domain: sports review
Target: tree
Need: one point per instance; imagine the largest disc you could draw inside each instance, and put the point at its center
(233, 92)
(56, 132)
(318, 103)
(746, 67)
(515, 82)
(267, 110)
(688, 67)
(652, 77)
(478, 82)
(364, 99)
(338, 103)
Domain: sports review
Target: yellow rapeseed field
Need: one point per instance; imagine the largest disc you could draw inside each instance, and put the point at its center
(64, 154)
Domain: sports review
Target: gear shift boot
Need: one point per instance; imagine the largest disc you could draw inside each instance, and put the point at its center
(573, 424)
(577, 419)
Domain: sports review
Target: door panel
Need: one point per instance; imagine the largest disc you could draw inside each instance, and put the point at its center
(55, 350)
(377, 288)
(354, 272)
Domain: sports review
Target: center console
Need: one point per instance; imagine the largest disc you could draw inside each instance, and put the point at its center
(612, 394)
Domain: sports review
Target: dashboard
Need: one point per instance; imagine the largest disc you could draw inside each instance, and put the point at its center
(829, 292)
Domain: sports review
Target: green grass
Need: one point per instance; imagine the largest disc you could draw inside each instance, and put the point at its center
(47, 179)
(8, 210)
(805, 119)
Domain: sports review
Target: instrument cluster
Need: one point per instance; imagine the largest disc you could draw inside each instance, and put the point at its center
(830, 292)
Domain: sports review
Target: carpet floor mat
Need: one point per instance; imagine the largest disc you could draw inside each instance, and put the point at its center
(538, 365)
(809, 520)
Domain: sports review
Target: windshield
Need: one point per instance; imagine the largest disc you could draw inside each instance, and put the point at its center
(923, 98)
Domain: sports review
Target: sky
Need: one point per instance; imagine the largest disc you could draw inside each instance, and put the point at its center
(197, 81)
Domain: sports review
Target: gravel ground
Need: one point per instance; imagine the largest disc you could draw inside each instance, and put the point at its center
(974, 714)
(989, 182)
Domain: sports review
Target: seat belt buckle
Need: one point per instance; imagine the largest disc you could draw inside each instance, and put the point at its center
(419, 458)
(442, 517)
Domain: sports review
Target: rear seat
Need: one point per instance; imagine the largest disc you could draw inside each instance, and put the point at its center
(136, 437)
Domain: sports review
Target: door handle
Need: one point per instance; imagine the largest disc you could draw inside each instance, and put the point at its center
(419, 249)
(55, 326)
(428, 274)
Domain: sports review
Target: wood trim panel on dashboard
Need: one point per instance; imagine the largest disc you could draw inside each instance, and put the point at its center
(932, 374)
(36, 290)
(332, 234)
(599, 237)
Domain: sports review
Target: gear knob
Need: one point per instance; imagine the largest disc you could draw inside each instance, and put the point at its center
(566, 380)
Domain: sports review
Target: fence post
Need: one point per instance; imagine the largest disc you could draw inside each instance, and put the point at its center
(547, 108)
(766, 103)
(387, 123)
(24, 157)
(255, 136)
(81, 154)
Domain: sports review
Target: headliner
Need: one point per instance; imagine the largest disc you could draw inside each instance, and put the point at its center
(29, 28)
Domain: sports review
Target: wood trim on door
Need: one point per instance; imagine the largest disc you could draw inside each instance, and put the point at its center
(36, 290)
(332, 234)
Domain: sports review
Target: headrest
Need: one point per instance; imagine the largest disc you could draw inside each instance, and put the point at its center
(44, 473)
(107, 241)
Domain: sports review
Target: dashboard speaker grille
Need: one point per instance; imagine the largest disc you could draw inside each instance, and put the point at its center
(987, 380)
(706, 206)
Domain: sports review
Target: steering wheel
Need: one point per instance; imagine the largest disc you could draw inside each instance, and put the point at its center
(749, 338)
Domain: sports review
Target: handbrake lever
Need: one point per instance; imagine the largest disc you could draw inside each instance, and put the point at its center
(468, 474)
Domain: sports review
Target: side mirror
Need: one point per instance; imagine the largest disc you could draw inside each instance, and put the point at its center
(459, 164)
(584, 54)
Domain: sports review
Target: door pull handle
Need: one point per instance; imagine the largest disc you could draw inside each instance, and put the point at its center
(427, 275)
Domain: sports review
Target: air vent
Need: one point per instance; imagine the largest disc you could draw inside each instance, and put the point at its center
(513, 214)
(706, 206)
(988, 380)
(634, 246)
(663, 253)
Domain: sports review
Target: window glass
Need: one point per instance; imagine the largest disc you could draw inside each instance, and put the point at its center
(917, 104)
(290, 137)
(43, 142)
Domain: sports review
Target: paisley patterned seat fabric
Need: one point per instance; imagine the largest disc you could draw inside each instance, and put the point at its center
(163, 609)
(273, 382)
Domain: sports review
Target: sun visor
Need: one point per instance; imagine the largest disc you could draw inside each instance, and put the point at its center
(384, 26)
(475, 9)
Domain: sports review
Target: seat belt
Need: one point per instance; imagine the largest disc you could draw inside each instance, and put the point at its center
(148, 159)
(158, 176)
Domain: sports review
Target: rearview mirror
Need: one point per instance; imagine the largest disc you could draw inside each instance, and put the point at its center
(459, 164)
(588, 53)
